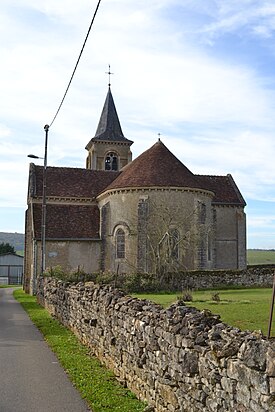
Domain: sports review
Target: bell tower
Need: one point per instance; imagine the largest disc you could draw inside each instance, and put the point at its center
(108, 149)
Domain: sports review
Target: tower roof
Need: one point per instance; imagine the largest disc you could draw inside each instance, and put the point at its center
(108, 129)
(156, 167)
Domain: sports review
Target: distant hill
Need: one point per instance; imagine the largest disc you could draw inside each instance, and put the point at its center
(14, 239)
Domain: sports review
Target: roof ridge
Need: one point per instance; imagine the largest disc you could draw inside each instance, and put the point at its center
(222, 176)
(75, 168)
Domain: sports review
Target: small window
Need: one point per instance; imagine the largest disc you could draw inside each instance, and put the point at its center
(120, 244)
(202, 213)
(209, 247)
(111, 161)
(174, 243)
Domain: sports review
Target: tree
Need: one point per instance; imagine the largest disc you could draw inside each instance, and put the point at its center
(169, 232)
(6, 248)
(176, 233)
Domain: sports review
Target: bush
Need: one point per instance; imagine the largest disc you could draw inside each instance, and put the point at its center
(108, 278)
(129, 283)
(75, 275)
(55, 272)
(186, 296)
(216, 297)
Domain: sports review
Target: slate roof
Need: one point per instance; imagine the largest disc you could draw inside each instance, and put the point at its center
(109, 129)
(67, 221)
(70, 182)
(158, 167)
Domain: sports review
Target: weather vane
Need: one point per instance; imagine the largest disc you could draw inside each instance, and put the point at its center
(109, 73)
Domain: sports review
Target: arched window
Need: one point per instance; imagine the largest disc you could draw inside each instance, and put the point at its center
(120, 244)
(111, 161)
(174, 243)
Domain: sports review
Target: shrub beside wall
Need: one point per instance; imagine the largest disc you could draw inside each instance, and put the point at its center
(178, 359)
(253, 276)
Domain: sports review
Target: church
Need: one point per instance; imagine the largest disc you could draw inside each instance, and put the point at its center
(150, 214)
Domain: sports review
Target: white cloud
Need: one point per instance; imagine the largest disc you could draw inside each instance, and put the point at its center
(214, 113)
(4, 131)
(262, 221)
(256, 17)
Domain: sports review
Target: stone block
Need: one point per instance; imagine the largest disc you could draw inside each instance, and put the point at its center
(270, 361)
(272, 385)
(253, 353)
(229, 386)
(243, 395)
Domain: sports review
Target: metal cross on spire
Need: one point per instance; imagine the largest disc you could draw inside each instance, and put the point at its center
(109, 73)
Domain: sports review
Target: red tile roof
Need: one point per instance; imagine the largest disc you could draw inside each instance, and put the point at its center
(70, 182)
(156, 167)
(68, 221)
(224, 188)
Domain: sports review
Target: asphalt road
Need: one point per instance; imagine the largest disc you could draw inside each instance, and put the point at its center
(31, 379)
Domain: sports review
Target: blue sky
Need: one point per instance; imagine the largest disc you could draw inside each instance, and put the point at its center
(200, 72)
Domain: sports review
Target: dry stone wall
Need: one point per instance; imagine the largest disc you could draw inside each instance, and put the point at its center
(178, 359)
(254, 276)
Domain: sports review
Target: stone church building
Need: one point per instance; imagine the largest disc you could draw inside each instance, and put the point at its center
(151, 214)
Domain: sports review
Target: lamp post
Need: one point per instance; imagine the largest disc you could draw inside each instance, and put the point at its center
(44, 202)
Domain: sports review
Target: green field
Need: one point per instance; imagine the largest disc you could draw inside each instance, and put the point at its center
(260, 257)
(246, 309)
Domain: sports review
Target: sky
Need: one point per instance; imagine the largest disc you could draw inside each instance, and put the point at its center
(199, 72)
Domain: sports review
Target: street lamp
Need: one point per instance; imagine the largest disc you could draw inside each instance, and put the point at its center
(44, 202)
(32, 156)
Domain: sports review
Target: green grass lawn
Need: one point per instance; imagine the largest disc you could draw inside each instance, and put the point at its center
(260, 257)
(247, 309)
(95, 383)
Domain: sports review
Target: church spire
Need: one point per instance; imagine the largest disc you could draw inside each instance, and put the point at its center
(109, 125)
(108, 129)
(108, 149)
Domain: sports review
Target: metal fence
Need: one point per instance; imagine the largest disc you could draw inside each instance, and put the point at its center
(11, 274)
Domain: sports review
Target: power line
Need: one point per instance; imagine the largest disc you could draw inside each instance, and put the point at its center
(69, 84)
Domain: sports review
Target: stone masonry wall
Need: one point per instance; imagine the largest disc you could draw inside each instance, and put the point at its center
(178, 359)
(254, 276)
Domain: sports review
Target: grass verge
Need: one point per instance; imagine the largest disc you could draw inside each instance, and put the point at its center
(95, 383)
(10, 286)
